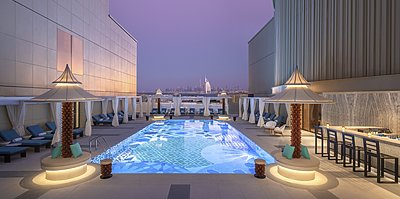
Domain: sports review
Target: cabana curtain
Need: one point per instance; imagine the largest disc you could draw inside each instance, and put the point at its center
(141, 106)
(289, 113)
(226, 106)
(115, 108)
(207, 106)
(57, 117)
(133, 108)
(88, 112)
(252, 118)
(276, 108)
(245, 107)
(104, 106)
(149, 105)
(126, 108)
(16, 114)
(261, 109)
(240, 107)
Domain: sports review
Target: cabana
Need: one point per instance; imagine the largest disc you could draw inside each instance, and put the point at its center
(125, 106)
(177, 102)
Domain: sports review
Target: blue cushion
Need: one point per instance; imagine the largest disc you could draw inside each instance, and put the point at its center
(76, 150)
(304, 152)
(35, 130)
(9, 135)
(56, 152)
(51, 125)
(35, 142)
(288, 151)
(12, 150)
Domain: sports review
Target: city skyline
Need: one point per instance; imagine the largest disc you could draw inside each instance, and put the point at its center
(202, 38)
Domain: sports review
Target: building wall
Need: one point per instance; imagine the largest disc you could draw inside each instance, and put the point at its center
(380, 109)
(28, 50)
(337, 39)
(262, 60)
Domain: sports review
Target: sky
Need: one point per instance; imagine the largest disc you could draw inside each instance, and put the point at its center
(182, 41)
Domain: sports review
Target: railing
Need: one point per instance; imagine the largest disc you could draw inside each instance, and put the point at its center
(96, 143)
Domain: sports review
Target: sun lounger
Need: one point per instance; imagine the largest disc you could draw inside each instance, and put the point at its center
(192, 111)
(101, 119)
(37, 131)
(75, 132)
(7, 152)
(182, 111)
(16, 140)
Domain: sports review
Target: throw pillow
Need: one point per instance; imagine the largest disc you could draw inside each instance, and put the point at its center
(56, 152)
(76, 150)
(304, 152)
(288, 151)
(17, 140)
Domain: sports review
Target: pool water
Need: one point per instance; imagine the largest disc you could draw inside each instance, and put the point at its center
(185, 146)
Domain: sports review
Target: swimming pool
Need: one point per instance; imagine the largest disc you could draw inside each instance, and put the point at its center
(185, 146)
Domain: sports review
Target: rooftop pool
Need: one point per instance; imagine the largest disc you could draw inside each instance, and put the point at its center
(185, 146)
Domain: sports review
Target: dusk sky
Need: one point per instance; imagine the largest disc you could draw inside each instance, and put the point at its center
(181, 41)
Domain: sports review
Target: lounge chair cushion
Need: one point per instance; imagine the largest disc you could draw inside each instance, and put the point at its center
(35, 130)
(51, 126)
(11, 150)
(56, 152)
(35, 142)
(304, 152)
(288, 151)
(9, 135)
(76, 150)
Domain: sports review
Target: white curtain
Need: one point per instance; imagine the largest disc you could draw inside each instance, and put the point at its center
(56, 112)
(115, 121)
(227, 106)
(207, 106)
(104, 106)
(149, 105)
(141, 106)
(252, 118)
(261, 105)
(240, 107)
(178, 101)
(88, 112)
(276, 108)
(134, 108)
(289, 113)
(245, 107)
(16, 114)
(126, 109)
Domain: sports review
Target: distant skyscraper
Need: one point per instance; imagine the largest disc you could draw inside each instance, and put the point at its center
(207, 86)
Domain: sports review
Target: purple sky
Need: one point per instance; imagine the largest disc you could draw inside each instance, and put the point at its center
(181, 41)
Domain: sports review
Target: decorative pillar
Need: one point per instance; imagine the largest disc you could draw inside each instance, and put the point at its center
(67, 126)
(296, 130)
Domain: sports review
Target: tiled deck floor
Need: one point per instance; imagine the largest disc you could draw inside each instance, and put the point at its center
(157, 186)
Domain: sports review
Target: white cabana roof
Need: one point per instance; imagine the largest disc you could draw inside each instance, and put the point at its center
(298, 92)
(67, 89)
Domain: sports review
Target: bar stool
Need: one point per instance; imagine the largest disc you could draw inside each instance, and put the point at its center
(350, 144)
(372, 149)
(319, 135)
(332, 140)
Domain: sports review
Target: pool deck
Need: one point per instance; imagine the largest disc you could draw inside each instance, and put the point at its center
(207, 186)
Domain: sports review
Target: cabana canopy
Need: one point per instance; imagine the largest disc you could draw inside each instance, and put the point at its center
(67, 89)
(298, 92)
